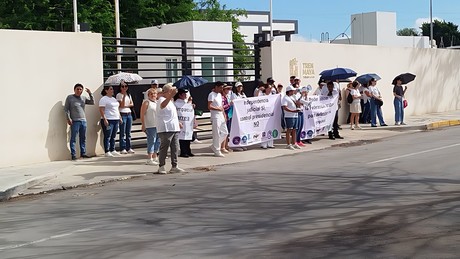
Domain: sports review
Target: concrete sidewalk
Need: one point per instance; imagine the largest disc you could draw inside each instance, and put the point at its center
(45, 177)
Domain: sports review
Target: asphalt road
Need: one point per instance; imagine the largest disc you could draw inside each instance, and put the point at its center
(396, 198)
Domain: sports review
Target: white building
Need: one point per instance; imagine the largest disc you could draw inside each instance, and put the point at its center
(161, 48)
(379, 29)
(257, 22)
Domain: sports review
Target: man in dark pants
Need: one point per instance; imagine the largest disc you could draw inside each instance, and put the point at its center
(334, 133)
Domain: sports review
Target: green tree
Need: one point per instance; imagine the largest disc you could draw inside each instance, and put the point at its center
(407, 32)
(447, 31)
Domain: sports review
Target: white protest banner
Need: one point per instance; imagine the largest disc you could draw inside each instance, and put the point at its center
(255, 120)
(319, 114)
(186, 115)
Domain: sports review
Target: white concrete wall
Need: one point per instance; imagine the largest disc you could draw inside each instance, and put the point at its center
(436, 88)
(39, 70)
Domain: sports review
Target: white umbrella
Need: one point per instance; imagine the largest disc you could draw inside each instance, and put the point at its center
(126, 77)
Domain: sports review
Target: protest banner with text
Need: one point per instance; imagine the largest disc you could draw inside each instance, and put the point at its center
(318, 113)
(255, 120)
(186, 115)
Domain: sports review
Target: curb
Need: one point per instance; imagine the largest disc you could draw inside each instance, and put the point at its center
(17, 188)
(442, 124)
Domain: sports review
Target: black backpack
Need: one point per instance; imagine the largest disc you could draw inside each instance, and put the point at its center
(349, 97)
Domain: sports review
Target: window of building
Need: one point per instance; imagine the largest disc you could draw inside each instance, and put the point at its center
(171, 63)
(213, 68)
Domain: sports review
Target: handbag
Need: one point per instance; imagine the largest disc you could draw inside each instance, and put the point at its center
(405, 103)
(133, 113)
(378, 102)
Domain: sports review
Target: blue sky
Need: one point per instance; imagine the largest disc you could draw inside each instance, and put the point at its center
(333, 16)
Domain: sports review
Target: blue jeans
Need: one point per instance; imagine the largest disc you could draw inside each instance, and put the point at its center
(366, 112)
(153, 141)
(110, 132)
(78, 127)
(125, 129)
(399, 110)
(376, 111)
(299, 126)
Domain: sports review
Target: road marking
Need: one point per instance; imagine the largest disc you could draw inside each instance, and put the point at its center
(45, 239)
(413, 154)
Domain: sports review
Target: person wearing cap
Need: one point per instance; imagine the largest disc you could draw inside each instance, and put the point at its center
(290, 116)
(168, 129)
(219, 127)
(228, 111)
(148, 119)
(184, 144)
(238, 91)
(74, 109)
(321, 84)
(153, 85)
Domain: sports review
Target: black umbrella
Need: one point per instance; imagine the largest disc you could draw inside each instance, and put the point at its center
(405, 78)
(187, 82)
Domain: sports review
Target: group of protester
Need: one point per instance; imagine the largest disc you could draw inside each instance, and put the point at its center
(160, 118)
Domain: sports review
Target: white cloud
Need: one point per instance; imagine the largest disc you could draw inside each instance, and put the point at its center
(420, 21)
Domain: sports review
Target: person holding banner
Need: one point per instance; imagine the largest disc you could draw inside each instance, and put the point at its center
(228, 109)
(168, 127)
(290, 116)
(219, 127)
(333, 90)
(238, 93)
(186, 115)
(269, 143)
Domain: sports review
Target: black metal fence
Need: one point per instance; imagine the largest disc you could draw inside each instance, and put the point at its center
(168, 60)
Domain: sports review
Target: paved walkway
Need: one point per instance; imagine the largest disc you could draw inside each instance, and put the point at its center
(45, 177)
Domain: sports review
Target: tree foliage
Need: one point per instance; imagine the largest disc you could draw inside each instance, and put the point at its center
(447, 31)
(408, 32)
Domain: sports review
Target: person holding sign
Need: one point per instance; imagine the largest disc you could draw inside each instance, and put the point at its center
(168, 127)
(219, 126)
(186, 114)
(265, 92)
(290, 116)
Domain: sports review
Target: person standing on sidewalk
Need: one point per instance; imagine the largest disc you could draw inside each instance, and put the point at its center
(149, 119)
(376, 104)
(290, 116)
(355, 106)
(219, 126)
(398, 102)
(110, 119)
(75, 111)
(332, 90)
(168, 129)
(126, 103)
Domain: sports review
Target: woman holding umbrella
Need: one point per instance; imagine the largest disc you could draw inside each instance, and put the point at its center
(398, 93)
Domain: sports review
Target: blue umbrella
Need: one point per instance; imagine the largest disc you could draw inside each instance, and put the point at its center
(337, 73)
(187, 82)
(364, 79)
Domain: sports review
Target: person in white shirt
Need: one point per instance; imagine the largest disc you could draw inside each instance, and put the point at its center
(110, 119)
(376, 104)
(355, 106)
(290, 116)
(180, 99)
(332, 91)
(126, 103)
(219, 126)
(366, 104)
(148, 119)
(268, 143)
(168, 129)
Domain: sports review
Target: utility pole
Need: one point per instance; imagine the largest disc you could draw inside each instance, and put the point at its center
(271, 21)
(75, 16)
(117, 33)
(431, 24)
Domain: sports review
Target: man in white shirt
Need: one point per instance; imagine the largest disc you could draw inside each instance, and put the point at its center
(332, 91)
(219, 126)
(168, 129)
